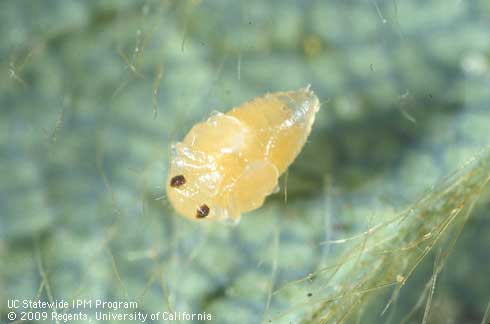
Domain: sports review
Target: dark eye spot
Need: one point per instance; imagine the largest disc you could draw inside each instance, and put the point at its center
(309, 294)
(202, 211)
(177, 181)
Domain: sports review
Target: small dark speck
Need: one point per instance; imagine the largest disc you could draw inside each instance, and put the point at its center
(309, 294)
(202, 211)
(177, 181)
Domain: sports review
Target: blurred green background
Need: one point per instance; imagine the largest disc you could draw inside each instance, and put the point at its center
(92, 93)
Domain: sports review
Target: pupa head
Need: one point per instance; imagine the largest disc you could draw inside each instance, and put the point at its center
(193, 184)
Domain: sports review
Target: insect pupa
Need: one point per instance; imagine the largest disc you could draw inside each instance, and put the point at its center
(228, 164)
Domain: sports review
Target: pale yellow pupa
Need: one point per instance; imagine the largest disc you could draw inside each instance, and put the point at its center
(230, 163)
